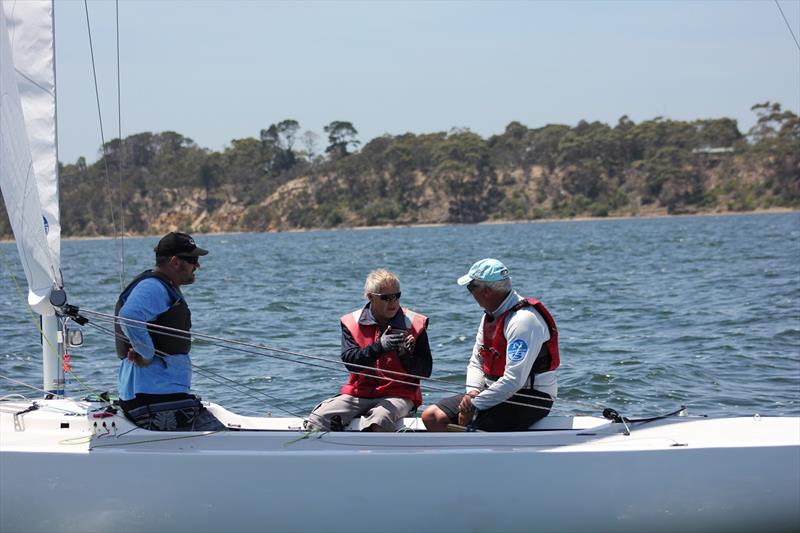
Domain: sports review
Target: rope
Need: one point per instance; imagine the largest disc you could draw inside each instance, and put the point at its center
(220, 341)
(38, 326)
(329, 364)
(19, 293)
(23, 384)
(11, 396)
(102, 133)
(181, 437)
(233, 384)
(222, 380)
(788, 26)
(121, 161)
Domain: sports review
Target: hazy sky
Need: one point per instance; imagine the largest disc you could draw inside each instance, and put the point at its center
(215, 71)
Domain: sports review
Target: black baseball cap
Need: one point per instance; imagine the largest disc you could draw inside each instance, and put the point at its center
(176, 243)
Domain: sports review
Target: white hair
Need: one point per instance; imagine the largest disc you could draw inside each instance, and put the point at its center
(377, 279)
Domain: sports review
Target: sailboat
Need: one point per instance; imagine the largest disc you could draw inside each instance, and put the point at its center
(77, 464)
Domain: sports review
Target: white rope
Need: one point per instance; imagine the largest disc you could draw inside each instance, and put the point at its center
(236, 344)
(208, 373)
(24, 384)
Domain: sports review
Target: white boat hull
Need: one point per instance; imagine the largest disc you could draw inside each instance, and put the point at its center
(734, 474)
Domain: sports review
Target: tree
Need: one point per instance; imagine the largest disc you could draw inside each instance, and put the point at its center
(209, 174)
(464, 173)
(719, 133)
(243, 164)
(287, 131)
(277, 142)
(309, 140)
(270, 137)
(341, 135)
(586, 178)
(776, 138)
(774, 123)
(512, 148)
(543, 144)
(667, 166)
(141, 149)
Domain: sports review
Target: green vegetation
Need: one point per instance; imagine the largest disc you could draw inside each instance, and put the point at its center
(592, 169)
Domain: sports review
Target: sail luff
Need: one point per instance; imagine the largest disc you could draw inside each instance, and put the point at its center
(18, 178)
(29, 164)
(33, 50)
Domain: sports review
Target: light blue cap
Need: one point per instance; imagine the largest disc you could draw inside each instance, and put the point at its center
(485, 270)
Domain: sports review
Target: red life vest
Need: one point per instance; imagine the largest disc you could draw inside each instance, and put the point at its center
(494, 345)
(363, 385)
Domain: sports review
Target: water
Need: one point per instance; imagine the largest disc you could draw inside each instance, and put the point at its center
(652, 313)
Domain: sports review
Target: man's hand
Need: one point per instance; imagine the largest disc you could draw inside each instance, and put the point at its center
(391, 340)
(137, 359)
(466, 408)
(408, 345)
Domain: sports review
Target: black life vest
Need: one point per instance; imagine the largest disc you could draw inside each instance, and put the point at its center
(178, 316)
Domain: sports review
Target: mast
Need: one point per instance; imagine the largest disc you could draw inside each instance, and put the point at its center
(52, 361)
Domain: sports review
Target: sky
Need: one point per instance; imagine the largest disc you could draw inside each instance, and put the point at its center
(216, 71)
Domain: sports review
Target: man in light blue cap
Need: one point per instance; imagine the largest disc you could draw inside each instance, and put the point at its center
(485, 270)
(511, 376)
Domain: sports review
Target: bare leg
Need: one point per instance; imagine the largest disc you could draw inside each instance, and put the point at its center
(435, 419)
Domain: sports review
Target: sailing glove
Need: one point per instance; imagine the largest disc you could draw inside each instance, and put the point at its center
(392, 339)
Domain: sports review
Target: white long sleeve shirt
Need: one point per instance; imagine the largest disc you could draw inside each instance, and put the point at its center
(525, 331)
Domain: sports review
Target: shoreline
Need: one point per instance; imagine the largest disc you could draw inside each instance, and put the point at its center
(654, 215)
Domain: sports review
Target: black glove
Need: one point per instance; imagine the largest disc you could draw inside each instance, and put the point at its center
(407, 348)
(392, 339)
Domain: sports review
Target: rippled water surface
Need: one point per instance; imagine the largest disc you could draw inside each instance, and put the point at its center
(652, 313)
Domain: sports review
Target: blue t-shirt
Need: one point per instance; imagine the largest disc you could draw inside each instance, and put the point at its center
(148, 299)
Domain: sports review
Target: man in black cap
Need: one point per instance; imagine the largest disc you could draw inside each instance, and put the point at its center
(156, 371)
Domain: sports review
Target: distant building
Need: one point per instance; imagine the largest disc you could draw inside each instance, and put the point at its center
(714, 151)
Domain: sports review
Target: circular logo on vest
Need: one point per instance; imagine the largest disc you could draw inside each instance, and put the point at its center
(517, 350)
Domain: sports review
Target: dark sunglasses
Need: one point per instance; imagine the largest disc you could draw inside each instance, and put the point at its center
(471, 286)
(189, 259)
(388, 297)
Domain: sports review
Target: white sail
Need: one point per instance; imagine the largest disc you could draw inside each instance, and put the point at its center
(28, 159)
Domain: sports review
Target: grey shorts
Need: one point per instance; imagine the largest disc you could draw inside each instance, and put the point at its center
(335, 414)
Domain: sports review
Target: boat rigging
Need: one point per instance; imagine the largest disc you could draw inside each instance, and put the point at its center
(740, 473)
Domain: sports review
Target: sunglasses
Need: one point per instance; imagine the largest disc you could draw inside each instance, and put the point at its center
(388, 297)
(471, 286)
(189, 259)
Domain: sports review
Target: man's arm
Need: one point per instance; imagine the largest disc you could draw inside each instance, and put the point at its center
(145, 302)
(420, 362)
(352, 353)
(525, 331)
(476, 381)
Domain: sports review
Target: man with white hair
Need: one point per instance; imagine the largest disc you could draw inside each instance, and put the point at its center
(385, 347)
(511, 378)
